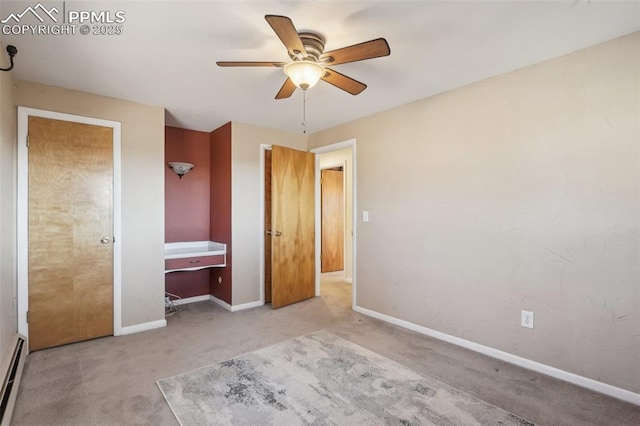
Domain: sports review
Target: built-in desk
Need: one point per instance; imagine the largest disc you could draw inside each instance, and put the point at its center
(194, 255)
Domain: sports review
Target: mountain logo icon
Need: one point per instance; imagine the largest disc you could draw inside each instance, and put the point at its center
(39, 11)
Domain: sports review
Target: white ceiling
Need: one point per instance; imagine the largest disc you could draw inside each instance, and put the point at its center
(166, 55)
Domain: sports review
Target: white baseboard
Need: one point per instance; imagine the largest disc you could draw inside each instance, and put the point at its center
(243, 306)
(193, 299)
(143, 327)
(582, 381)
(235, 308)
(220, 303)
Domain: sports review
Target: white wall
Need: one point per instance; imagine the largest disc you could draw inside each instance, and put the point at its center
(245, 203)
(334, 159)
(8, 185)
(143, 171)
(517, 192)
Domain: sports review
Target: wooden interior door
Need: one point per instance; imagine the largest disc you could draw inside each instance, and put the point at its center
(332, 208)
(267, 226)
(70, 232)
(292, 226)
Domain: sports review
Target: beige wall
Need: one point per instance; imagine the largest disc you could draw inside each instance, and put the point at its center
(339, 158)
(8, 184)
(518, 192)
(142, 189)
(245, 203)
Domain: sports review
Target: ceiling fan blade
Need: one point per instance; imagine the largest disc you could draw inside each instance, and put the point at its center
(250, 64)
(343, 82)
(284, 29)
(286, 90)
(358, 52)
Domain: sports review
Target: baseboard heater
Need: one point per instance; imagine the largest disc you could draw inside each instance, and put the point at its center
(11, 373)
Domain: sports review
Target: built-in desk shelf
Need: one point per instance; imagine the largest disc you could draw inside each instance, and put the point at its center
(194, 255)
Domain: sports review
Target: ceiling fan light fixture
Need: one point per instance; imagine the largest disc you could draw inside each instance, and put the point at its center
(304, 74)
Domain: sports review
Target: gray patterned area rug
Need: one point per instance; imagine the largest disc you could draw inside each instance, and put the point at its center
(321, 379)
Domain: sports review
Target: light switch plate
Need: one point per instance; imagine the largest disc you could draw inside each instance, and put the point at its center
(365, 216)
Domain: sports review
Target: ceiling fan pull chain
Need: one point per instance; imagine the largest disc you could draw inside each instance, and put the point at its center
(304, 112)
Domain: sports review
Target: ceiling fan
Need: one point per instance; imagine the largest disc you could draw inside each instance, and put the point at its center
(309, 63)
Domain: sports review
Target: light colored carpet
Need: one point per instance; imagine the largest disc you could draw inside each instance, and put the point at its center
(112, 381)
(321, 379)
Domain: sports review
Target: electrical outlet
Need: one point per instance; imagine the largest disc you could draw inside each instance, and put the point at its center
(527, 319)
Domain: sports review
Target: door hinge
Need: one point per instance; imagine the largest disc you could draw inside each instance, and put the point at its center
(27, 141)
(27, 317)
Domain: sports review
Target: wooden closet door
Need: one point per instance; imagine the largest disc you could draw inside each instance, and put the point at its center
(70, 232)
(332, 206)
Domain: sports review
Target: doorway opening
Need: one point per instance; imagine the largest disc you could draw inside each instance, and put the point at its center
(348, 150)
(336, 266)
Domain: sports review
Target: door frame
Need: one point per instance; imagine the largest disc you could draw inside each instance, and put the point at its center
(350, 143)
(22, 218)
(263, 148)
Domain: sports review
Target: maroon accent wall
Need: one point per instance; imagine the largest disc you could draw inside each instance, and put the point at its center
(187, 199)
(188, 283)
(187, 203)
(220, 207)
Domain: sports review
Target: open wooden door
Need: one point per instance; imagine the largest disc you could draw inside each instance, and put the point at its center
(292, 226)
(267, 226)
(332, 208)
(70, 232)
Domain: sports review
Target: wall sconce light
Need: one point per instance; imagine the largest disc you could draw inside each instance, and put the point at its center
(12, 51)
(180, 169)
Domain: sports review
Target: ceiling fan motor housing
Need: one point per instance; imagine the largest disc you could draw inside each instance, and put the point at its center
(313, 44)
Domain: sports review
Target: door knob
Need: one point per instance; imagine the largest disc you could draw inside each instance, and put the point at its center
(274, 233)
(105, 240)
